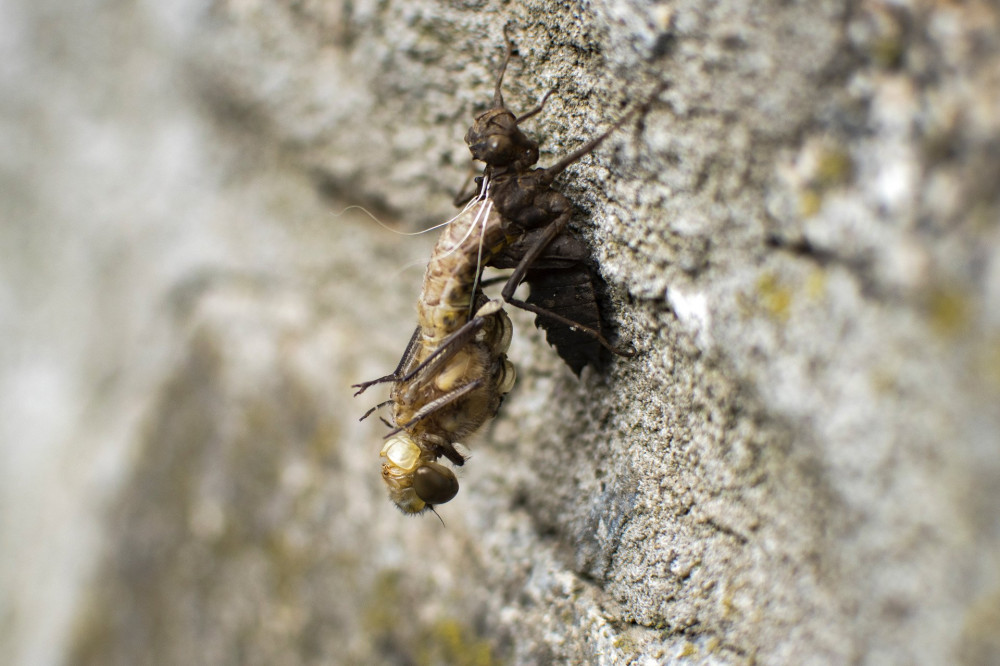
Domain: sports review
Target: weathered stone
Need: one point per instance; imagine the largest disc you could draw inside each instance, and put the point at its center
(802, 239)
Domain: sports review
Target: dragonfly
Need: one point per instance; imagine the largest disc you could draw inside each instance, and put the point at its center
(454, 372)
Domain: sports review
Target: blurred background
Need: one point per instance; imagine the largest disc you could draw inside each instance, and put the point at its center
(176, 351)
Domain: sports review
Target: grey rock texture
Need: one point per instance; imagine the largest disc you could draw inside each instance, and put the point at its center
(801, 239)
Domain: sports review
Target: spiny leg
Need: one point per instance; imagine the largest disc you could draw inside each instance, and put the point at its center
(590, 146)
(465, 193)
(435, 405)
(375, 408)
(395, 376)
(446, 349)
(534, 111)
(576, 326)
(515, 279)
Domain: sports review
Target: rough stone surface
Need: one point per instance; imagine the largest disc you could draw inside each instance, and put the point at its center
(801, 239)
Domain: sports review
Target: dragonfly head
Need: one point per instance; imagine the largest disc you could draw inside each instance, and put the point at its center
(416, 483)
(495, 139)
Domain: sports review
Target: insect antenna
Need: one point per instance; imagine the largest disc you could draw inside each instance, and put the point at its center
(438, 515)
(497, 95)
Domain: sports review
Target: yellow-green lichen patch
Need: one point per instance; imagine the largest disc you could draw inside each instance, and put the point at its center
(624, 644)
(823, 167)
(833, 168)
(384, 602)
(395, 625)
(877, 33)
(949, 311)
(887, 51)
(449, 641)
(774, 296)
(810, 202)
(816, 284)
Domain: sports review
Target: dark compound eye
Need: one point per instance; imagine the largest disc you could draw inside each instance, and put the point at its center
(434, 483)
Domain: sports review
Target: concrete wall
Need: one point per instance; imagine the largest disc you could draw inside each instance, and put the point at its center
(802, 240)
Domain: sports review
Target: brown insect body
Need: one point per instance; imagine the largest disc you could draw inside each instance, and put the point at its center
(563, 282)
(545, 253)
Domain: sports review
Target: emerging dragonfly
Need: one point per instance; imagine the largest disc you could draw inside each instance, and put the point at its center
(454, 372)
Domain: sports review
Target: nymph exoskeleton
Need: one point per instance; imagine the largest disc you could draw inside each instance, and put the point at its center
(454, 372)
(543, 252)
